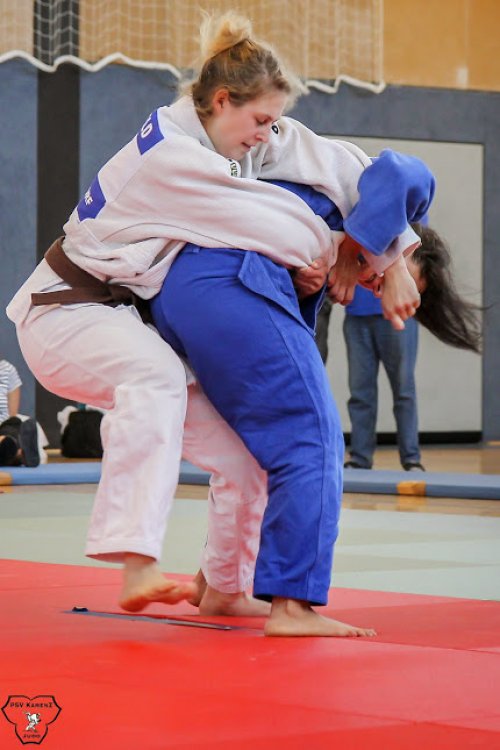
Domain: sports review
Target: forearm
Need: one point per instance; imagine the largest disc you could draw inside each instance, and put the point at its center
(403, 245)
(400, 297)
(245, 213)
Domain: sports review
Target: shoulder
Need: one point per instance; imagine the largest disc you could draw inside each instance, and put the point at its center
(397, 166)
(157, 129)
(170, 131)
(290, 138)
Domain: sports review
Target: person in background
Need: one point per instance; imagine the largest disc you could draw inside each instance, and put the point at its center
(22, 440)
(10, 390)
(371, 340)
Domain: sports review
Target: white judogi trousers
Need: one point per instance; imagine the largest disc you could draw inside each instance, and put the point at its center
(107, 357)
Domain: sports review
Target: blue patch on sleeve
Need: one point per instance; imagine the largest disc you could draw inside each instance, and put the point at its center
(150, 134)
(92, 201)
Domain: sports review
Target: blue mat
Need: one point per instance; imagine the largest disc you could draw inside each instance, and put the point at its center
(427, 484)
(80, 472)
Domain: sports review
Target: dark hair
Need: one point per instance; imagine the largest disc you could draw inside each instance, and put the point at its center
(446, 314)
(231, 59)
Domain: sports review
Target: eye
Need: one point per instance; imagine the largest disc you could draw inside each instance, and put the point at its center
(260, 122)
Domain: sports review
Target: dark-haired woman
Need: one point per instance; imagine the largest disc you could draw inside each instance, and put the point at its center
(236, 317)
(371, 341)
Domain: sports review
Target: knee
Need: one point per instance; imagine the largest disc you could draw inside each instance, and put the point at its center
(253, 481)
(161, 373)
(242, 473)
(154, 391)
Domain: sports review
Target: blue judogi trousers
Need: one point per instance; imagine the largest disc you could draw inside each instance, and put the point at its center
(235, 316)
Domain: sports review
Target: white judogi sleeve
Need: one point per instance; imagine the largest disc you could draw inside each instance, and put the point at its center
(169, 186)
(335, 168)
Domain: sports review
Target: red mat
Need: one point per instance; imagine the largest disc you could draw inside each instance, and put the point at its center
(429, 681)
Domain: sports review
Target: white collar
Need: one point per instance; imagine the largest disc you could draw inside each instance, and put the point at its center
(183, 113)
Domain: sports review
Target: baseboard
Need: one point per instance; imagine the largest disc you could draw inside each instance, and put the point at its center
(429, 438)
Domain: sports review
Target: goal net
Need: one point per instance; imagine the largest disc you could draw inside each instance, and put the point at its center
(323, 41)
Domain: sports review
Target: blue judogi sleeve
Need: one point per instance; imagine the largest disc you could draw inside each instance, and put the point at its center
(326, 208)
(318, 202)
(394, 191)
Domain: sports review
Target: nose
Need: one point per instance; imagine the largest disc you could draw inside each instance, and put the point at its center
(262, 135)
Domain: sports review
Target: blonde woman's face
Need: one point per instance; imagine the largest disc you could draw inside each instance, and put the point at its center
(234, 131)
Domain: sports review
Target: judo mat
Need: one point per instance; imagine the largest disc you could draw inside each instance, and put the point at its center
(426, 484)
(99, 678)
(80, 472)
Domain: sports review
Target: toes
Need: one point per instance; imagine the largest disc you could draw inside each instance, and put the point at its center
(169, 592)
(173, 592)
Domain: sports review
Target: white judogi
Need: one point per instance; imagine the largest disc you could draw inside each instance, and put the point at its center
(166, 187)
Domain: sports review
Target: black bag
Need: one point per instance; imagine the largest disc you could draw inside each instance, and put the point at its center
(19, 434)
(81, 438)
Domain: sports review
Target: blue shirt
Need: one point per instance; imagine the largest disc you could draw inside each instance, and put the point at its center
(364, 303)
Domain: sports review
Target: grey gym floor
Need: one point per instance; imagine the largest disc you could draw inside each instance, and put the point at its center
(442, 546)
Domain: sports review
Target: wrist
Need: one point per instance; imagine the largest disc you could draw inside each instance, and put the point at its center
(396, 268)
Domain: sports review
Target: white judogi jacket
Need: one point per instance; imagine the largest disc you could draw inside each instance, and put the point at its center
(169, 186)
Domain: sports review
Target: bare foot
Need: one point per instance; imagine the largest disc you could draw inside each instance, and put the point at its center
(232, 605)
(144, 583)
(201, 584)
(290, 617)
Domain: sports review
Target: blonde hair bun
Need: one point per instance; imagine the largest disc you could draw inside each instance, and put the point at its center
(221, 32)
(231, 59)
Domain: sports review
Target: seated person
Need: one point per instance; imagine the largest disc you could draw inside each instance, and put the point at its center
(22, 440)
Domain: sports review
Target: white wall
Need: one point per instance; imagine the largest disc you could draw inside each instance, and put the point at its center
(448, 380)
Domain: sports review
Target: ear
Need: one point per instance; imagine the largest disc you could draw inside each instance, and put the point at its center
(219, 100)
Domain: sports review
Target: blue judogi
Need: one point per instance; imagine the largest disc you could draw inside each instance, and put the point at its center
(235, 315)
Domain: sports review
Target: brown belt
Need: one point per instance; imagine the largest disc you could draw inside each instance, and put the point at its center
(84, 286)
